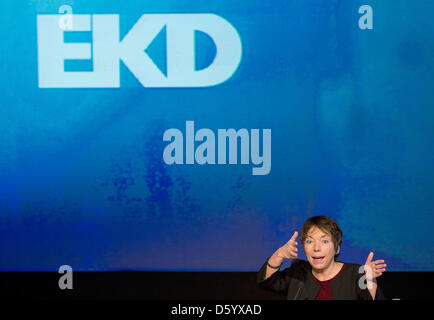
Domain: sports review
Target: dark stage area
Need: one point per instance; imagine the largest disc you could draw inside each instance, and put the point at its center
(180, 285)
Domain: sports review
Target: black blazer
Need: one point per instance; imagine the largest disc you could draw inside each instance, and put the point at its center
(298, 283)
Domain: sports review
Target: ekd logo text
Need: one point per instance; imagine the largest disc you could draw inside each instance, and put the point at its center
(106, 50)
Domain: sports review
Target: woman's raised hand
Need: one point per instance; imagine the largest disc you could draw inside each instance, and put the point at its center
(289, 249)
(374, 269)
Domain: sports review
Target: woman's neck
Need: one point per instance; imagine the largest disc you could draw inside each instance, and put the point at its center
(327, 273)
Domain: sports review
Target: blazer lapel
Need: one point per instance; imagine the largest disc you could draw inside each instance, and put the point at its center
(312, 287)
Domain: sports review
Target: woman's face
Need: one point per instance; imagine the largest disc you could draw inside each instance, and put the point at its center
(319, 249)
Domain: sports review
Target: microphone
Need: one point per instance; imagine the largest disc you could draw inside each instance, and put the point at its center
(301, 285)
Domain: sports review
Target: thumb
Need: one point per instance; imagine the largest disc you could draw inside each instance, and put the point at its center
(369, 259)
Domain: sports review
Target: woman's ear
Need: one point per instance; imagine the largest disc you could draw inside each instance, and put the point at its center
(337, 253)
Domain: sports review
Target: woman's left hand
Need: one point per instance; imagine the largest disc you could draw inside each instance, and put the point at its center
(374, 269)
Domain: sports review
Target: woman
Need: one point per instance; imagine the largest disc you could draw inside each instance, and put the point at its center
(322, 277)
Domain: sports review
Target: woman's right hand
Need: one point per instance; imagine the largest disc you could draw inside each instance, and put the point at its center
(289, 250)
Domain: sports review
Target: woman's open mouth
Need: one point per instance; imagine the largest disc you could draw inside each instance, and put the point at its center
(318, 259)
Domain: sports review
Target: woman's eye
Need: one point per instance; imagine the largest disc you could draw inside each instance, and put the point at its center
(325, 241)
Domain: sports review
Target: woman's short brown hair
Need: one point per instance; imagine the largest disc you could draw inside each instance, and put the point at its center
(327, 225)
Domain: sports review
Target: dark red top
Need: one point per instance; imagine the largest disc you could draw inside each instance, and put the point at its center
(325, 293)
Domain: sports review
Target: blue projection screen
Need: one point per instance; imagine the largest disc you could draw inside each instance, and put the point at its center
(199, 135)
